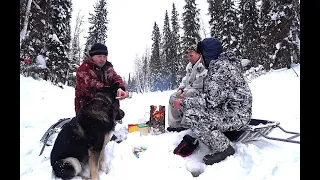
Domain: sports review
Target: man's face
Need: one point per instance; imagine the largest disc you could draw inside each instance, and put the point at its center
(99, 60)
(193, 56)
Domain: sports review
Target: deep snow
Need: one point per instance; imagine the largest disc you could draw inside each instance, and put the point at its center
(276, 97)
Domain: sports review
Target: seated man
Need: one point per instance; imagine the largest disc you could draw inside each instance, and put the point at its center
(224, 105)
(191, 84)
(96, 72)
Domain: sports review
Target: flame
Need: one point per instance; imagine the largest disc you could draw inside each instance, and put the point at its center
(156, 114)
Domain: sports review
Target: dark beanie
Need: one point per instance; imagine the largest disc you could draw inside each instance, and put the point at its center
(98, 49)
(210, 49)
(199, 47)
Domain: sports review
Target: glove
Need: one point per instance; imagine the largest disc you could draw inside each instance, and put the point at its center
(186, 146)
(176, 104)
(26, 60)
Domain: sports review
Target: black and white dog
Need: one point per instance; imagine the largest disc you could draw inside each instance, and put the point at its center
(82, 141)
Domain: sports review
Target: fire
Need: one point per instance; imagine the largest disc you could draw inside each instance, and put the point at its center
(156, 114)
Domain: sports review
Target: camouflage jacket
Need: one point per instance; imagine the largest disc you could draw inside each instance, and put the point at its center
(193, 80)
(226, 102)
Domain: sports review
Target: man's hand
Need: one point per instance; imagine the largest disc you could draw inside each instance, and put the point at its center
(121, 94)
(179, 94)
(179, 91)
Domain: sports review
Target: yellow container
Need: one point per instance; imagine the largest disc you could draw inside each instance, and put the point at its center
(132, 128)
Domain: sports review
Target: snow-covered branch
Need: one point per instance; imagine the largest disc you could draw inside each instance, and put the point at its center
(25, 23)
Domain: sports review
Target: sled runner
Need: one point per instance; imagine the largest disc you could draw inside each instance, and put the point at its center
(55, 128)
(258, 129)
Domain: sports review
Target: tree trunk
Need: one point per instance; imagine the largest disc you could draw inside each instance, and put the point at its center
(25, 23)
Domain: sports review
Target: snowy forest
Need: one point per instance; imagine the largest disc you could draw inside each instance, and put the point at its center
(266, 32)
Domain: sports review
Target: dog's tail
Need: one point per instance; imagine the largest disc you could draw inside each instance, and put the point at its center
(67, 168)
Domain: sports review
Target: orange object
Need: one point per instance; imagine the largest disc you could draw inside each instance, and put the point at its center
(156, 114)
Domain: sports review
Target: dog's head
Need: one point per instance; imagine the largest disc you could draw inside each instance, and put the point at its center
(101, 105)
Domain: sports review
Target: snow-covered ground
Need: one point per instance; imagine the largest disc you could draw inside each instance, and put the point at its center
(276, 97)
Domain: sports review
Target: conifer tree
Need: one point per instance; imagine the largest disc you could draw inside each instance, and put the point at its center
(58, 44)
(280, 26)
(191, 25)
(216, 17)
(98, 20)
(177, 68)
(166, 55)
(250, 37)
(155, 64)
(33, 45)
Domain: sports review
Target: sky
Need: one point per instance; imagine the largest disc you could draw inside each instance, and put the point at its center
(130, 26)
(276, 97)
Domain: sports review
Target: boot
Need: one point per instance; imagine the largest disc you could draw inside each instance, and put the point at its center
(186, 146)
(210, 159)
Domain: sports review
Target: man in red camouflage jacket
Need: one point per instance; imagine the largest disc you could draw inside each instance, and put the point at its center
(96, 72)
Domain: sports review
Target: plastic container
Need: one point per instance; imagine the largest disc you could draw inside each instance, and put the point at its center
(132, 128)
(144, 129)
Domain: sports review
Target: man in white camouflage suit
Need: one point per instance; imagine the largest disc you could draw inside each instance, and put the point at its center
(190, 83)
(224, 105)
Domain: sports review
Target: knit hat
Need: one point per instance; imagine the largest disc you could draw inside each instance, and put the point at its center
(210, 48)
(98, 49)
(192, 47)
(199, 47)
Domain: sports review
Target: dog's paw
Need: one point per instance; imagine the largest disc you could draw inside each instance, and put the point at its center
(103, 167)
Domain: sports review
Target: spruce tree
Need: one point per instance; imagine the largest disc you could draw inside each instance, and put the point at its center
(289, 29)
(146, 70)
(216, 16)
(58, 44)
(280, 26)
(266, 28)
(250, 38)
(33, 46)
(155, 64)
(191, 25)
(177, 67)
(98, 20)
(230, 27)
(166, 56)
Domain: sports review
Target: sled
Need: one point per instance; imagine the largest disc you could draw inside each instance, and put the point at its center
(258, 129)
(55, 128)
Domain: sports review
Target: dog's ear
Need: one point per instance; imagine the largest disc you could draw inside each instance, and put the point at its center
(110, 89)
(113, 89)
(115, 86)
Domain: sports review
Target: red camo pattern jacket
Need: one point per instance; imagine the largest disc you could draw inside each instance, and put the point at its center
(89, 75)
